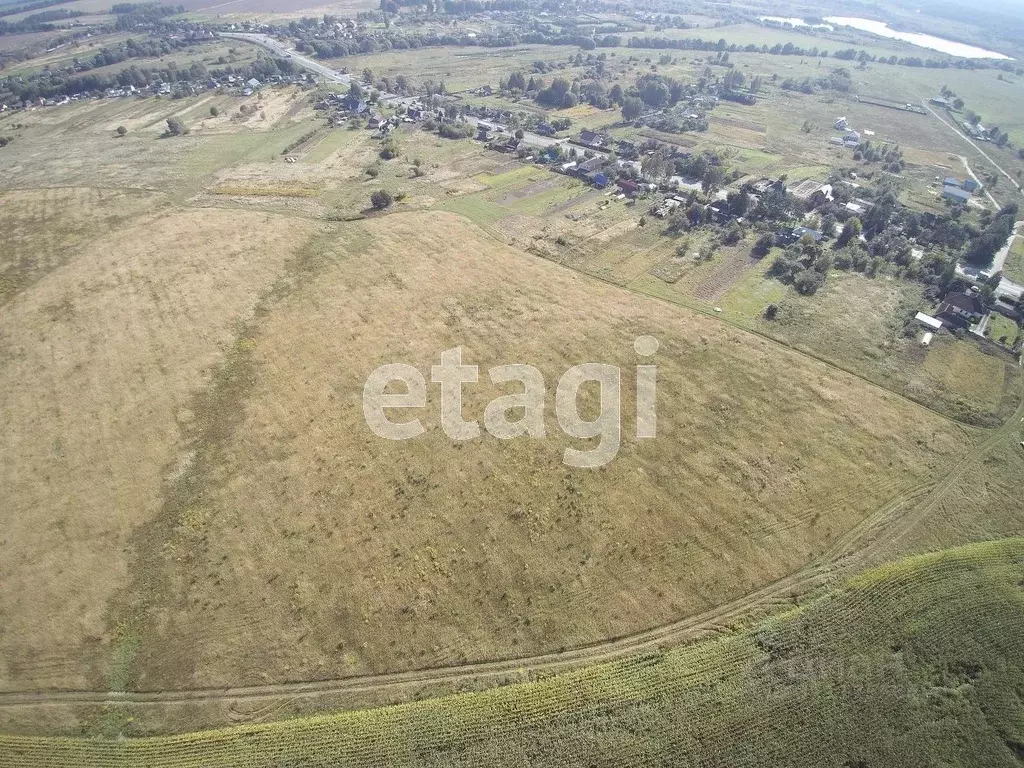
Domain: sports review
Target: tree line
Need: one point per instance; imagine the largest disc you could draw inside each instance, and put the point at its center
(57, 84)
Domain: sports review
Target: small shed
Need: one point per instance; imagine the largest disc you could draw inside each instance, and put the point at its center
(928, 321)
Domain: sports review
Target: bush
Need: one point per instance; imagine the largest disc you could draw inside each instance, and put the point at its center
(298, 142)
(389, 150)
(707, 251)
(373, 171)
(214, 112)
(381, 199)
(771, 311)
(122, 131)
(808, 281)
(175, 127)
(763, 245)
(455, 130)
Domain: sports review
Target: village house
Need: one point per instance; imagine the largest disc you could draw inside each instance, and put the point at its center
(629, 188)
(800, 232)
(766, 185)
(593, 164)
(962, 308)
(592, 139)
(813, 192)
(955, 194)
(354, 105)
(666, 207)
(720, 212)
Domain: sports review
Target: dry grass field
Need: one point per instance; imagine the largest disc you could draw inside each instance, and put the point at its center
(192, 498)
(101, 359)
(298, 545)
(897, 667)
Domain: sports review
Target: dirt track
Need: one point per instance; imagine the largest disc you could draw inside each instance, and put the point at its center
(887, 526)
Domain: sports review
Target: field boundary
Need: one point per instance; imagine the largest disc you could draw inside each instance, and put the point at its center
(895, 518)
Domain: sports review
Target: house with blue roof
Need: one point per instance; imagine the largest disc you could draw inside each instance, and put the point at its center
(955, 194)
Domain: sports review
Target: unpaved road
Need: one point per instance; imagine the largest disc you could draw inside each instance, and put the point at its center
(858, 547)
(981, 152)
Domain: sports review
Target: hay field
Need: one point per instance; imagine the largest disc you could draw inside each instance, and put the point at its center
(905, 665)
(100, 361)
(298, 545)
(193, 498)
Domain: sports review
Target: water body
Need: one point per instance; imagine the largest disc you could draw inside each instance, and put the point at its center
(882, 29)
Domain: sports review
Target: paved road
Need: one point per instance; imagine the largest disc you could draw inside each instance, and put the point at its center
(534, 139)
(1007, 288)
(281, 49)
(1000, 258)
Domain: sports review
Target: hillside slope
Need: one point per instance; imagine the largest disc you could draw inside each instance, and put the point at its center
(919, 663)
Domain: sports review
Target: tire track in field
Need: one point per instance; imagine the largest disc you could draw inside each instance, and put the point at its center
(865, 540)
(884, 527)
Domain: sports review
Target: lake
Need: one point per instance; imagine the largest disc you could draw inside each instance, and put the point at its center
(882, 29)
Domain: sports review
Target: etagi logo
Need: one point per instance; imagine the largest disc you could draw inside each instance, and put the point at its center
(451, 374)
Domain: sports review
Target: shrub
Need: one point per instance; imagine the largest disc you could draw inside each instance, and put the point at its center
(389, 149)
(214, 112)
(763, 245)
(455, 130)
(175, 127)
(771, 311)
(808, 281)
(122, 131)
(381, 199)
